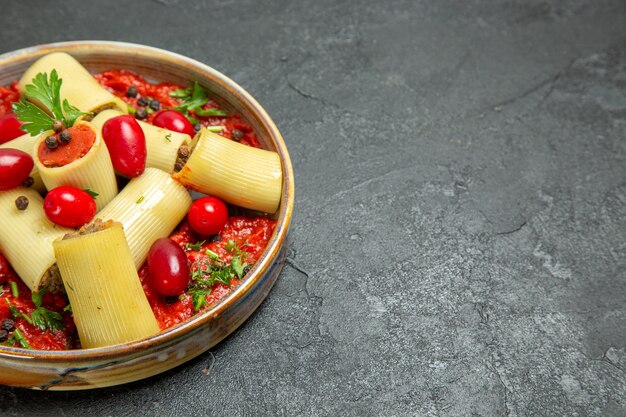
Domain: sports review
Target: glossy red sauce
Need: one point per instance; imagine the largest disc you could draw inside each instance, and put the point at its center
(250, 234)
(118, 81)
(83, 139)
(8, 94)
(254, 233)
(36, 338)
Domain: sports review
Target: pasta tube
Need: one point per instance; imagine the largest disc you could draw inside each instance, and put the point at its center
(149, 208)
(25, 144)
(26, 239)
(79, 87)
(93, 171)
(239, 174)
(108, 302)
(162, 145)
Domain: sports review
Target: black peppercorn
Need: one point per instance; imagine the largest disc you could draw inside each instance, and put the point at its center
(4, 335)
(197, 127)
(216, 238)
(143, 101)
(65, 136)
(246, 269)
(28, 182)
(179, 165)
(21, 202)
(155, 105)
(7, 324)
(52, 142)
(237, 135)
(141, 113)
(132, 91)
(58, 126)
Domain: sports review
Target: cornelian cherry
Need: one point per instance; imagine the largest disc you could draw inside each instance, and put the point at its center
(167, 264)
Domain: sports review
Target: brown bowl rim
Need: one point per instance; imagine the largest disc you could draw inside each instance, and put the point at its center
(185, 329)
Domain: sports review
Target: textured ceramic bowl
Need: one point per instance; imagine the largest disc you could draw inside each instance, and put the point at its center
(118, 364)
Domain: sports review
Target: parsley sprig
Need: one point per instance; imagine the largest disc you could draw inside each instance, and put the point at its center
(46, 90)
(40, 317)
(194, 98)
(207, 273)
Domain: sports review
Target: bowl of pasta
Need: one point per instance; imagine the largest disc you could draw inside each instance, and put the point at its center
(145, 201)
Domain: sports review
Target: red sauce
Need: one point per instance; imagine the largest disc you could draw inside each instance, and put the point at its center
(118, 81)
(83, 139)
(250, 234)
(36, 338)
(8, 95)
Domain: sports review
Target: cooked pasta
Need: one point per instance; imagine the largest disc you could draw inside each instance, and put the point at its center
(149, 208)
(162, 145)
(26, 237)
(93, 171)
(239, 174)
(78, 87)
(108, 302)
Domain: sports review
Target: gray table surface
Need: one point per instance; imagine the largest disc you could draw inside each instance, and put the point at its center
(459, 239)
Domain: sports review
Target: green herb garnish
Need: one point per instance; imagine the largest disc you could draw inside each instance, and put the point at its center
(193, 99)
(210, 112)
(18, 337)
(15, 291)
(208, 273)
(168, 137)
(194, 246)
(42, 317)
(140, 199)
(16, 314)
(92, 193)
(46, 91)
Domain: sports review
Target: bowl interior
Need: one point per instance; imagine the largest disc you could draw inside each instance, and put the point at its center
(158, 65)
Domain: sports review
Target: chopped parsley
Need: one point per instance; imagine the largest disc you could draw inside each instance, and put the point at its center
(92, 193)
(140, 199)
(194, 98)
(42, 317)
(15, 291)
(195, 246)
(46, 91)
(208, 273)
(18, 337)
(168, 137)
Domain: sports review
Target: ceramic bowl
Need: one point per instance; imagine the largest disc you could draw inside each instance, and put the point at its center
(119, 364)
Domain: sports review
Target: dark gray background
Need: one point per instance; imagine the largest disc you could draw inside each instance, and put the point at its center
(459, 239)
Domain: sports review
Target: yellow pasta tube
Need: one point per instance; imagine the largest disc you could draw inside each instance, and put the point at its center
(93, 170)
(108, 302)
(25, 144)
(239, 174)
(161, 144)
(26, 238)
(149, 207)
(79, 87)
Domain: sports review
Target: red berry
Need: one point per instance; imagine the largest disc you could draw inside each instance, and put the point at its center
(69, 206)
(208, 215)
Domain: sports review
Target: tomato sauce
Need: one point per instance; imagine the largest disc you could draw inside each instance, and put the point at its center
(118, 82)
(65, 338)
(250, 234)
(83, 139)
(8, 94)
